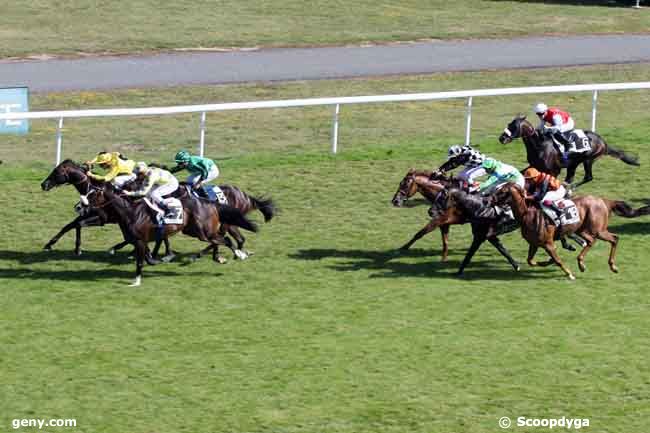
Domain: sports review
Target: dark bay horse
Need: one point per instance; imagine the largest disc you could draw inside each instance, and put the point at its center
(201, 219)
(594, 219)
(542, 154)
(245, 203)
(419, 181)
(455, 206)
(69, 172)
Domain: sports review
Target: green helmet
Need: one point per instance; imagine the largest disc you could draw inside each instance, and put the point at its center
(182, 157)
(490, 164)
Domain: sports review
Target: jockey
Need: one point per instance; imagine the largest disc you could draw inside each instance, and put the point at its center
(561, 123)
(545, 189)
(120, 169)
(500, 174)
(157, 183)
(201, 170)
(467, 156)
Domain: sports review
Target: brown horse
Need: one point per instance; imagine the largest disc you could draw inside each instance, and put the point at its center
(69, 172)
(419, 181)
(542, 154)
(201, 219)
(594, 218)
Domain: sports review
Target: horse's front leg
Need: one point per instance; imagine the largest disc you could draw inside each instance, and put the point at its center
(426, 229)
(240, 252)
(444, 231)
(504, 252)
(571, 173)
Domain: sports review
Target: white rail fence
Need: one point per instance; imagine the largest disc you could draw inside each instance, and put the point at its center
(333, 102)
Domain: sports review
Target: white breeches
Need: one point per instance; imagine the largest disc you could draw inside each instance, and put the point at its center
(213, 174)
(553, 196)
(122, 179)
(471, 173)
(158, 192)
(569, 126)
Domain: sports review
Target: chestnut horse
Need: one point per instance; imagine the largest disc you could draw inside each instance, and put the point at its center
(594, 218)
(419, 181)
(542, 154)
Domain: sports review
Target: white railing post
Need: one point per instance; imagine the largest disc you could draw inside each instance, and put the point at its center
(202, 136)
(468, 121)
(335, 129)
(59, 140)
(638, 6)
(594, 100)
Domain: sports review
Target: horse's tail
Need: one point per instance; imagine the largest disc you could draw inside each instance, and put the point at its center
(264, 205)
(623, 209)
(234, 217)
(625, 157)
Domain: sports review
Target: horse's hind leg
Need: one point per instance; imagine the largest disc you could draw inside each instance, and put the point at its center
(613, 240)
(587, 165)
(581, 257)
(240, 252)
(444, 231)
(550, 249)
(504, 252)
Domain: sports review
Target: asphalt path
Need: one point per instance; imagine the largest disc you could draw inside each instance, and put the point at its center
(287, 64)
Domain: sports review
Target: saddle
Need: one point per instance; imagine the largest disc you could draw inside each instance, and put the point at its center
(578, 142)
(569, 215)
(174, 214)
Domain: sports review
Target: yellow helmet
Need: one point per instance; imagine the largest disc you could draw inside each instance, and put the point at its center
(103, 158)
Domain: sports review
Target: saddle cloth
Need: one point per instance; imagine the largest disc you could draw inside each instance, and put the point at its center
(216, 194)
(175, 213)
(580, 143)
(570, 214)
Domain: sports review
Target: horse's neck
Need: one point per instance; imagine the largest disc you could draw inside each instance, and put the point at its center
(428, 188)
(519, 208)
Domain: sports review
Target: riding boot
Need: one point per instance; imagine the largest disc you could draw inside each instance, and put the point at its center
(567, 145)
(201, 192)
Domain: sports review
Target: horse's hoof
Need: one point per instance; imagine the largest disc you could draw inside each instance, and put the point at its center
(168, 258)
(517, 268)
(444, 260)
(47, 247)
(582, 267)
(136, 282)
(241, 255)
(459, 274)
(571, 277)
(222, 260)
(111, 251)
(569, 247)
(194, 258)
(248, 253)
(77, 253)
(614, 268)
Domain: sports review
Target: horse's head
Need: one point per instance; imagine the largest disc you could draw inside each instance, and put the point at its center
(66, 172)
(514, 129)
(407, 187)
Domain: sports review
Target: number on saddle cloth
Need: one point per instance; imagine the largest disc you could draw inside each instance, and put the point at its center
(579, 141)
(215, 194)
(570, 214)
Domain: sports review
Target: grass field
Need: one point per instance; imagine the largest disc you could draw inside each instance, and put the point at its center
(325, 329)
(88, 26)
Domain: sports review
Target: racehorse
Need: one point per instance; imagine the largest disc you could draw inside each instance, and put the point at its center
(69, 172)
(201, 219)
(455, 206)
(245, 203)
(420, 181)
(594, 218)
(542, 154)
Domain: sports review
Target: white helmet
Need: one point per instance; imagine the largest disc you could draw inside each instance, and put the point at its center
(454, 151)
(140, 168)
(475, 158)
(540, 108)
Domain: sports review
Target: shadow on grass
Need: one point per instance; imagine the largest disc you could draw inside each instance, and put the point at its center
(605, 3)
(79, 274)
(631, 228)
(389, 265)
(43, 256)
(415, 202)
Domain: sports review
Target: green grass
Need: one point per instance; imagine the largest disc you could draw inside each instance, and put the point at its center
(324, 329)
(85, 26)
